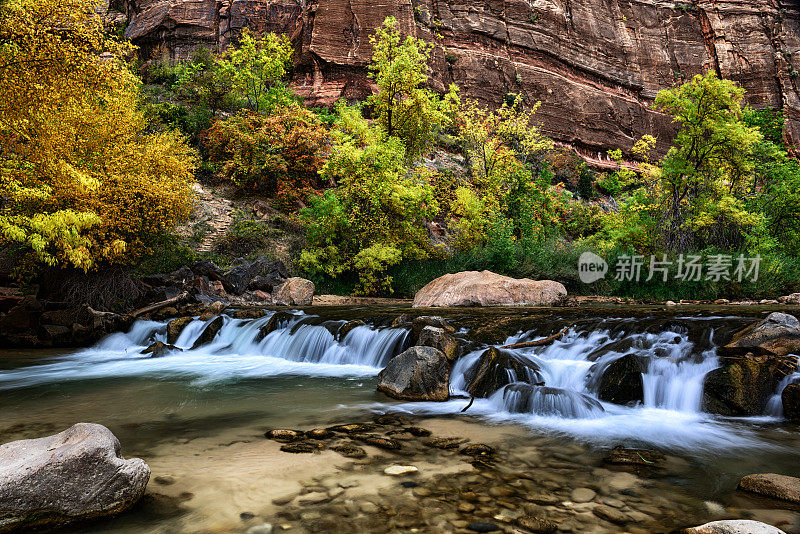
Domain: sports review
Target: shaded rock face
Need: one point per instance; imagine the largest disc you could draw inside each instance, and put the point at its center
(735, 526)
(595, 65)
(621, 382)
(790, 398)
(752, 366)
(438, 338)
(485, 288)
(771, 485)
(295, 292)
(417, 374)
(497, 368)
(75, 475)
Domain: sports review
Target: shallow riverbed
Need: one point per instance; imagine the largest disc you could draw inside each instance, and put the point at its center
(198, 418)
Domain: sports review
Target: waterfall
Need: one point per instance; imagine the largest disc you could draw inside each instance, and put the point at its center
(297, 346)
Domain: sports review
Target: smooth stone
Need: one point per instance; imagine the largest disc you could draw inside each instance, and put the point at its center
(735, 526)
(610, 514)
(466, 507)
(266, 528)
(369, 507)
(582, 495)
(285, 499)
(536, 524)
(482, 526)
(315, 497)
(396, 470)
(773, 485)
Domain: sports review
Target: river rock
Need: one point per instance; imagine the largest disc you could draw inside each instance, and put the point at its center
(75, 475)
(397, 470)
(791, 300)
(485, 288)
(778, 334)
(213, 310)
(431, 336)
(781, 487)
(790, 397)
(582, 495)
(295, 292)
(734, 526)
(743, 385)
(209, 333)
(159, 349)
(175, 327)
(621, 382)
(418, 374)
(536, 524)
(346, 328)
(273, 323)
(497, 368)
(418, 323)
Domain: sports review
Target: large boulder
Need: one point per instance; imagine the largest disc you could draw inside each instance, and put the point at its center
(261, 274)
(418, 374)
(743, 385)
(778, 335)
(790, 398)
(622, 382)
(485, 288)
(295, 292)
(781, 487)
(497, 368)
(439, 338)
(175, 327)
(75, 475)
(734, 526)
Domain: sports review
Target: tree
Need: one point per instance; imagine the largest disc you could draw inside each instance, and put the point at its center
(280, 154)
(705, 172)
(256, 68)
(373, 218)
(404, 108)
(81, 181)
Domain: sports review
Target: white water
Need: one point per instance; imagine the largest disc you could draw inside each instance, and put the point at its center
(293, 348)
(669, 415)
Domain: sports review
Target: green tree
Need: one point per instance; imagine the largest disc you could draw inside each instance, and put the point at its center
(256, 68)
(374, 218)
(704, 174)
(404, 108)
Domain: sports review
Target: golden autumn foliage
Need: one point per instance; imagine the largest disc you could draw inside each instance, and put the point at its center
(81, 179)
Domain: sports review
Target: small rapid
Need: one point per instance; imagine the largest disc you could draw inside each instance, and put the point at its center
(297, 346)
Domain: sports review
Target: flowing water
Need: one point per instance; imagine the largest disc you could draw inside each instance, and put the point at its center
(305, 374)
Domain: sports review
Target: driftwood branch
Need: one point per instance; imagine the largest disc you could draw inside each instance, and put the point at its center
(536, 343)
(158, 305)
(471, 400)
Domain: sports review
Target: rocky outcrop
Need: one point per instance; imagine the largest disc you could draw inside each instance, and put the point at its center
(175, 327)
(485, 288)
(778, 334)
(295, 292)
(595, 65)
(752, 366)
(771, 485)
(209, 332)
(621, 382)
(497, 368)
(734, 526)
(790, 399)
(75, 475)
(36, 323)
(417, 374)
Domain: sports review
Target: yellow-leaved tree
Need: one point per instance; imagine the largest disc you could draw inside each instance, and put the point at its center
(82, 181)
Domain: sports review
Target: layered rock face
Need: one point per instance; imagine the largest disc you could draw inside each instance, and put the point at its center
(596, 65)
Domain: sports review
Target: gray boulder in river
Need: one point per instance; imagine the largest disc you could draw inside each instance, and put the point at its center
(735, 526)
(74, 475)
(417, 374)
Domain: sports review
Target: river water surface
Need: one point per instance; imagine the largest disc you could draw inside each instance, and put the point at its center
(198, 415)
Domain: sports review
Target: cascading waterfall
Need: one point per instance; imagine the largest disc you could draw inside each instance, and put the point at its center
(296, 346)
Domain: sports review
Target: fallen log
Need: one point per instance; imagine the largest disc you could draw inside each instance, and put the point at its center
(158, 305)
(536, 343)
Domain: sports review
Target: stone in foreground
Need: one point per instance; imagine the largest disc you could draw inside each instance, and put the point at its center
(735, 526)
(418, 374)
(771, 485)
(75, 475)
(295, 292)
(396, 470)
(485, 288)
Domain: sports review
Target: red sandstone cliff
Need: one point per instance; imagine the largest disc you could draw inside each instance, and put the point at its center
(595, 65)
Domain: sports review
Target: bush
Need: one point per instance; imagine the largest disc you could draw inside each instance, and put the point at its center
(278, 155)
(245, 235)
